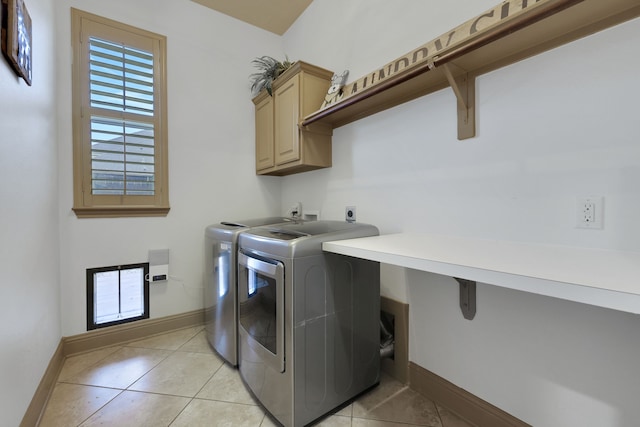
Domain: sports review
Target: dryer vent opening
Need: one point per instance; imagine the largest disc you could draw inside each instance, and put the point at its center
(387, 337)
(394, 339)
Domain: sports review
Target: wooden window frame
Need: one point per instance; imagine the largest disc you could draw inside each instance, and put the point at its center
(85, 204)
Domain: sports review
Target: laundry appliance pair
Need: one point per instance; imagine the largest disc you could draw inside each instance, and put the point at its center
(307, 321)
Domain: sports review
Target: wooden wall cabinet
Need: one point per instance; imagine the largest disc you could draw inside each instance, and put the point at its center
(264, 131)
(283, 146)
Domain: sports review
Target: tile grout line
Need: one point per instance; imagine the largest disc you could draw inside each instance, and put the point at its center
(201, 388)
(169, 351)
(127, 345)
(197, 347)
(97, 410)
(438, 412)
(195, 394)
(115, 388)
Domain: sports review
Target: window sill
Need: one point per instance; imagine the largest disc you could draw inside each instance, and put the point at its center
(120, 211)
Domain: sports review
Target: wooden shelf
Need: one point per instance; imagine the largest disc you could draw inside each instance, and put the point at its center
(597, 277)
(529, 33)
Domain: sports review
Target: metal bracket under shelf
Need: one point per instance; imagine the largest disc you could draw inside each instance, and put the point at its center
(467, 298)
(464, 87)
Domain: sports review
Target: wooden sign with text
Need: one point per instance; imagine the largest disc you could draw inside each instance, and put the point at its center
(428, 53)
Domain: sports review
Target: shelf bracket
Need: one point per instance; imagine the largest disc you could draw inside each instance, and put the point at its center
(464, 87)
(467, 298)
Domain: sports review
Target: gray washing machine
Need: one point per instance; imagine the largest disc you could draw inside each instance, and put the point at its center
(220, 291)
(308, 331)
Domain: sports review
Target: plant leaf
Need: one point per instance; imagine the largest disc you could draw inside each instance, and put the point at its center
(269, 69)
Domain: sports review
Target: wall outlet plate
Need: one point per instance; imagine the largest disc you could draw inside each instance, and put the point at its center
(295, 211)
(350, 214)
(590, 212)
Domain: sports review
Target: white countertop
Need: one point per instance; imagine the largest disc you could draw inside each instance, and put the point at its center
(592, 276)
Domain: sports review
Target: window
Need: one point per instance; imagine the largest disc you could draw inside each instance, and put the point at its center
(118, 294)
(119, 119)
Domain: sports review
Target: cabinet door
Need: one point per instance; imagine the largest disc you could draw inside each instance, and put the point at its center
(287, 108)
(264, 134)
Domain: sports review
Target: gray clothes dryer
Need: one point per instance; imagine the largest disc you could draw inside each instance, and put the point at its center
(220, 291)
(308, 331)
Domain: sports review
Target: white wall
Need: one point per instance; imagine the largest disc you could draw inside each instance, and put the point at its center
(211, 144)
(29, 287)
(551, 128)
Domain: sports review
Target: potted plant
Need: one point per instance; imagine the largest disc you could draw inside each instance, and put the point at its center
(269, 70)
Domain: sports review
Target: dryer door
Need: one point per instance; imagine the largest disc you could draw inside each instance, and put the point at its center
(261, 307)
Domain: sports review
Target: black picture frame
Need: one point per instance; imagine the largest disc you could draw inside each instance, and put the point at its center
(17, 37)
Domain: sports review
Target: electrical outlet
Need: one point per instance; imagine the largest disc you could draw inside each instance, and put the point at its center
(589, 212)
(295, 211)
(350, 214)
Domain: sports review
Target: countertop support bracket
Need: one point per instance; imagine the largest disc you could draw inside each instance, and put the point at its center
(464, 87)
(467, 298)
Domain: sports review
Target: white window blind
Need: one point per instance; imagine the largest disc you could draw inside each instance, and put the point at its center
(121, 80)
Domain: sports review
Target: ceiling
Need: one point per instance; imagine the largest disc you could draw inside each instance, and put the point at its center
(272, 15)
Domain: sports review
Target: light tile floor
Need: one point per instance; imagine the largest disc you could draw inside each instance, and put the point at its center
(175, 379)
